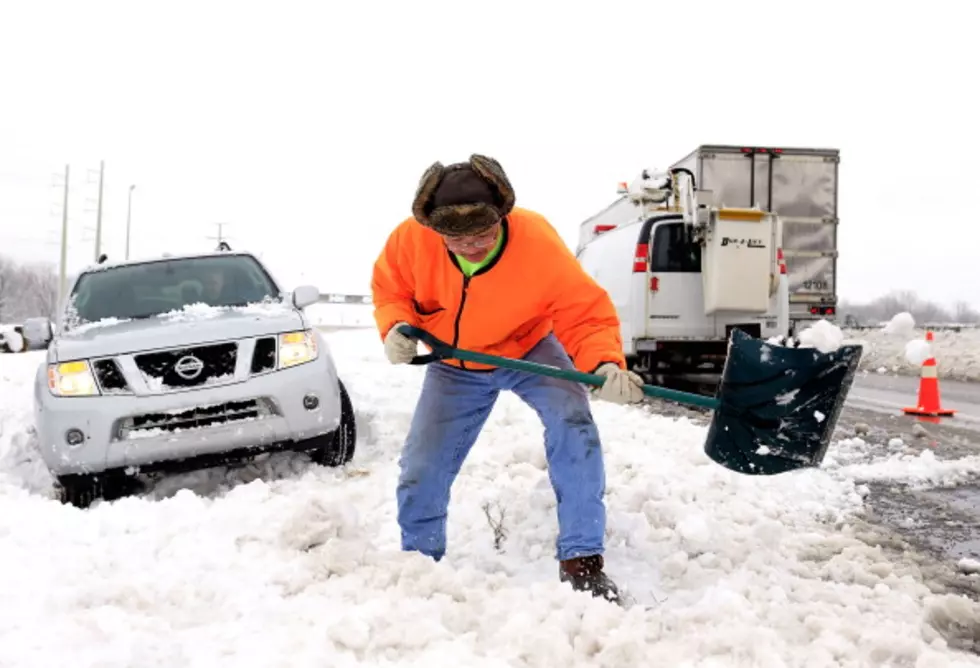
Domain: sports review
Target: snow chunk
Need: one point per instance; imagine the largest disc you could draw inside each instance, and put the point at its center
(822, 335)
(967, 565)
(903, 325)
(917, 351)
(786, 398)
(766, 354)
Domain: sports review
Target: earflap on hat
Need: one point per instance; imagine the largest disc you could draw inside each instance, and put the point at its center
(426, 188)
(494, 174)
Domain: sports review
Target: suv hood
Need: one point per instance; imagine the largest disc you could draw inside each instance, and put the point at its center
(176, 329)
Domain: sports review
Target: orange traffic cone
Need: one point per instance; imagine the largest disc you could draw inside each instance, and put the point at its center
(929, 402)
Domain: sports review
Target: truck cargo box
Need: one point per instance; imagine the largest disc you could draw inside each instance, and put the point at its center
(800, 186)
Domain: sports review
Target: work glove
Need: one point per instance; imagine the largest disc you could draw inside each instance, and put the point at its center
(400, 349)
(620, 387)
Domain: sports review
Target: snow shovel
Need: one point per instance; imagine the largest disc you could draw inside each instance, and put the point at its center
(775, 409)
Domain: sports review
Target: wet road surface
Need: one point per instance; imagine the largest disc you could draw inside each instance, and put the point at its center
(890, 394)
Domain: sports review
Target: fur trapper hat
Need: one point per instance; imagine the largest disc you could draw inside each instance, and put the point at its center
(464, 198)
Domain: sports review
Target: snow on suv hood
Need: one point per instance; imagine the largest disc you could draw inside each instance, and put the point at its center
(193, 325)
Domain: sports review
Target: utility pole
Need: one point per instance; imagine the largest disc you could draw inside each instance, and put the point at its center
(98, 215)
(62, 282)
(129, 218)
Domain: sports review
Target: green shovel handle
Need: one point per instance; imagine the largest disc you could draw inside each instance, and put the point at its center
(442, 350)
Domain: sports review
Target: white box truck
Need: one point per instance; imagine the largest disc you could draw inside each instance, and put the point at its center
(799, 185)
(683, 271)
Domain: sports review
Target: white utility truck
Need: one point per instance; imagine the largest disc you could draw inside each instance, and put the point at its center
(684, 272)
(800, 186)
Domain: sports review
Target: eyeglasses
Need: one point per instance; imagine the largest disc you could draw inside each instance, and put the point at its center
(482, 240)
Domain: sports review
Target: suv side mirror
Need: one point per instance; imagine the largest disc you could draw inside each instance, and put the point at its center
(38, 331)
(305, 295)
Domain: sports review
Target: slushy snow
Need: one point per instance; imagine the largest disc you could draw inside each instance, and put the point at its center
(284, 563)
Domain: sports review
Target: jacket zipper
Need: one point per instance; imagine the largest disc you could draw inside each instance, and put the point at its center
(459, 315)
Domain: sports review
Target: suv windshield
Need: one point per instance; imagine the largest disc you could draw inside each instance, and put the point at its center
(145, 290)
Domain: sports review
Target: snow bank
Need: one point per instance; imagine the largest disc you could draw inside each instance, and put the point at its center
(302, 566)
(898, 347)
(957, 353)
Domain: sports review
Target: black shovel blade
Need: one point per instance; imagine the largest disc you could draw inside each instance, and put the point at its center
(778, 406)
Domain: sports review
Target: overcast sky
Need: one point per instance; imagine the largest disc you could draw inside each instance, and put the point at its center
(305, 126)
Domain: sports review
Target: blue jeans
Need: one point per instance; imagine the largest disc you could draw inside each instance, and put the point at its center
(452, 409)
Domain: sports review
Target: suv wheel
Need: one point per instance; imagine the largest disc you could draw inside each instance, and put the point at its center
(337, 447)
(81, 490)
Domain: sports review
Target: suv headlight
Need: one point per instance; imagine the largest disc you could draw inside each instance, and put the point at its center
(296, 348)
(72, 379)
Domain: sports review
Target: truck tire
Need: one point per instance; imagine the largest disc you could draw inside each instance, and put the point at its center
(337, 447)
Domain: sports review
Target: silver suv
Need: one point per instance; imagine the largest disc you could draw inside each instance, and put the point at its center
(181, 363)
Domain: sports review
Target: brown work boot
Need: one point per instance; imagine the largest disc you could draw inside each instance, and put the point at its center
(585, 574)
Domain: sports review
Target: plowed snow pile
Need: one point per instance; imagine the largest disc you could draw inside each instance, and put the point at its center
(957, 353)
(301, 567)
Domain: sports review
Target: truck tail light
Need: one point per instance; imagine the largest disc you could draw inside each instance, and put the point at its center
(640, 258)
(599, 229)
(654, 284)
(781, 261)
(748, 150)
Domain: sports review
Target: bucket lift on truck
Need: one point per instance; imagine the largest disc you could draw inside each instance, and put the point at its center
(684, 273)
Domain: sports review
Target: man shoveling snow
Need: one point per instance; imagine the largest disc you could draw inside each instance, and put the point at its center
(470, 268)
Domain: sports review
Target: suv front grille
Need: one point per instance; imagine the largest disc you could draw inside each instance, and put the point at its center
(189, 367)
(150, 424)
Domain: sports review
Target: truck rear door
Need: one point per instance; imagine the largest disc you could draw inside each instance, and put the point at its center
(675, 294)
(798, 185)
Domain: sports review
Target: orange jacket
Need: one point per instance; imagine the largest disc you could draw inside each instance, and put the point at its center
(533, 287)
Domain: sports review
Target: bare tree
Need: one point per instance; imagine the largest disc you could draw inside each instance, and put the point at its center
(924, 311)
(40, 290)
(964, 313)
(27, 291)
(8, 270)
(907, 300)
